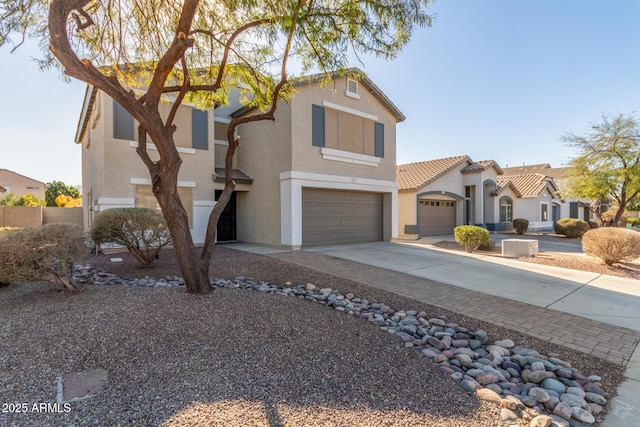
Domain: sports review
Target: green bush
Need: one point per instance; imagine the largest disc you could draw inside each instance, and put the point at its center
(42, 253)
(633, 221)
(520, 225)
(571, 227)
(612, 244)
(471, 236)
(142, 231)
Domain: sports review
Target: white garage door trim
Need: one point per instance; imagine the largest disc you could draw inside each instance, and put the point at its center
(292, 182)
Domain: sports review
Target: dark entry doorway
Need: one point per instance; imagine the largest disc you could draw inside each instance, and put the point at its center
(226, 231)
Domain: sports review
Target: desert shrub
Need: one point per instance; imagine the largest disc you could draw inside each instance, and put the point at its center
(142, 231)
(606, 218)
(592, 224)
(489, 246)
(612, 244)
(42, 253)
(571, 227)
(471, 236)
(520, 225)
(633, 221)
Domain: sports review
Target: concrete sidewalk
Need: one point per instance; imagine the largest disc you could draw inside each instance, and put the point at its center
(600, 315)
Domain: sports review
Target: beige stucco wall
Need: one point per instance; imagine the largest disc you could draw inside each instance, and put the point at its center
(264, 153)
(407, 211)
(20, 216)
(111, 168)
(19, 184)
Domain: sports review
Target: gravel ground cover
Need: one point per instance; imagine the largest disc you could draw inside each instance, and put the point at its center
(235, 357)
(630, 270)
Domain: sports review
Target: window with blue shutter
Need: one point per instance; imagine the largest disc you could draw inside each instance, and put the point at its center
(199, 129)
(122, 123)
(344, 131)
(317, 126)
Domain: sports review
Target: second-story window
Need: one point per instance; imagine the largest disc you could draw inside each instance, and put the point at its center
(122, 123)
(199, 129)
(341, 130)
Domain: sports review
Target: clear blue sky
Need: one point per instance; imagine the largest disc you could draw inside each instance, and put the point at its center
(493, 79)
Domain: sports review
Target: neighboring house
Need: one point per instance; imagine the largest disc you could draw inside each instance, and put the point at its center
(538, 200)
(570, 207)
(17, 184)
(2, 190)
(435, 196)
(322, 173)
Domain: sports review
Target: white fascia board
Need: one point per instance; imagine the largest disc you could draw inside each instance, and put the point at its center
(152, 146)
(337, 181)
(147, 181)
(348, 157)
(116, 201)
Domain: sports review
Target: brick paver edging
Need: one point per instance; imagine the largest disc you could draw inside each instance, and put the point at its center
(609, 342)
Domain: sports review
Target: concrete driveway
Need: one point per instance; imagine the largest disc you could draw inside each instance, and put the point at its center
(595, 296)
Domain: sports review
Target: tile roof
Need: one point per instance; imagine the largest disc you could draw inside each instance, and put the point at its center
(416, 175)
(557, 173)
(529, 185)
(524, 169)
(483, 165)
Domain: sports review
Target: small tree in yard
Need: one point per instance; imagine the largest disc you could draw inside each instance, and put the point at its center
(57, 188)
(198, 50)
(612, 244)
(608, 163)
(520, 225)
(142, 231)
(44, 253)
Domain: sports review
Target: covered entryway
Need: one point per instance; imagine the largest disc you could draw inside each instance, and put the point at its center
(436, 217)
(332, 217)
(226, 231)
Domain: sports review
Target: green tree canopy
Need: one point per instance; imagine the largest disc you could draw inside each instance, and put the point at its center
(608, 162)
(55, 188)
(11, 199)
(146, 51)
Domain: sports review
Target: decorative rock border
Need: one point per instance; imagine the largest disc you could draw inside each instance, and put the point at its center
(526, 385)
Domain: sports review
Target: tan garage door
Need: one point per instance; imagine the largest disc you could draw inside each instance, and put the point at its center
(436, 217)
(331, 217)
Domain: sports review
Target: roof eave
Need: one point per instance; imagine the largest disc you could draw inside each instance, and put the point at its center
(87, 107)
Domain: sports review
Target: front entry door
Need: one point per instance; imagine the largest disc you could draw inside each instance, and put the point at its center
(226, 231)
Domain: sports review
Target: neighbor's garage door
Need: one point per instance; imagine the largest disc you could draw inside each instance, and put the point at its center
(436, 217)
(331, 217)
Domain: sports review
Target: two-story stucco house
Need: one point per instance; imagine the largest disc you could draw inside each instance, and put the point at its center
(18, 185)
(322, 173)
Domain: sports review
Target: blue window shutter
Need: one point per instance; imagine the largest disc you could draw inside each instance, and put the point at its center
(317, 126)
(379, 139)
(122, 122)
(199, 129)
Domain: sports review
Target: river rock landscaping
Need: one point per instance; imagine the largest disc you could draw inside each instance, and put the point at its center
(524, 383)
